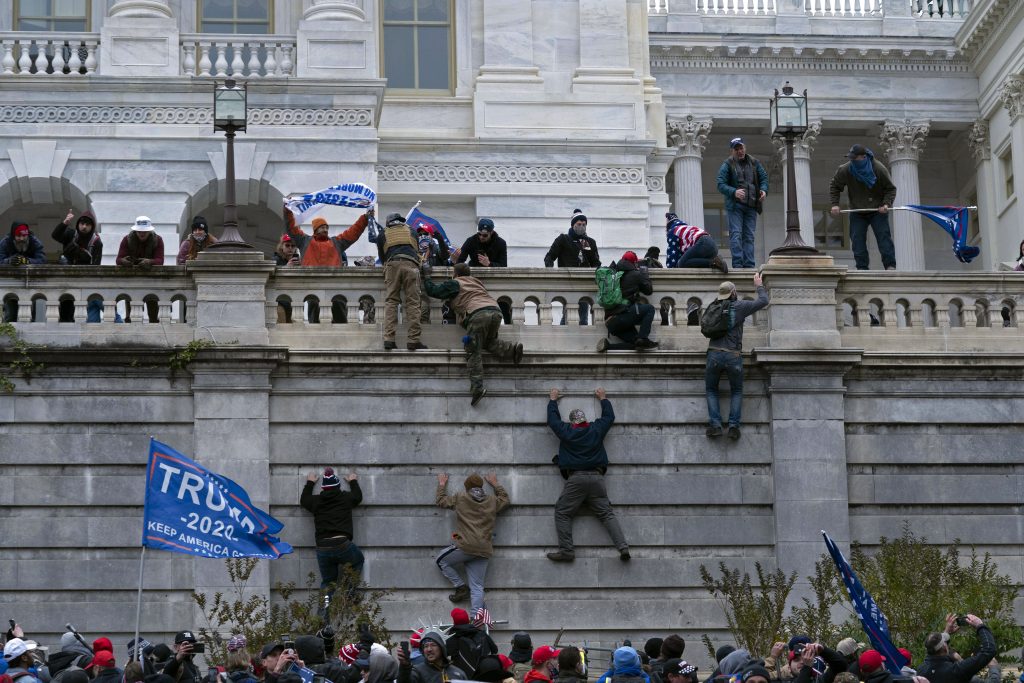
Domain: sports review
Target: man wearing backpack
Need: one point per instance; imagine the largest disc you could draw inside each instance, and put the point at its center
(722, 323)
(619, 290)
(468, 644)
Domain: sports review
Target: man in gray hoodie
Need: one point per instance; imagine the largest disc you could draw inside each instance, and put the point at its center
(434, 667)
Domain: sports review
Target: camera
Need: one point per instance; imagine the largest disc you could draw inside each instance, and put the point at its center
(961, 620)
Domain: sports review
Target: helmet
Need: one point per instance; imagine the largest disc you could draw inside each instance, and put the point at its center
(394, 219)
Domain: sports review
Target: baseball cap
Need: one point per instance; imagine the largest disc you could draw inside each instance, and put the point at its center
(269, 648)
(857, 150)
(184, 636)
(870, 660)
(543, 654)
(726, 290)
(736, 142)
(847, 646)
(16, 647)
(103, 658)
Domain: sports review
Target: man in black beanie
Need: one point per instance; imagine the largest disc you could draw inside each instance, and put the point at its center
(332, 520)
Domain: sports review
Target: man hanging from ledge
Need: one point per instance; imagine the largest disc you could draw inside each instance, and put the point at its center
(478, 312)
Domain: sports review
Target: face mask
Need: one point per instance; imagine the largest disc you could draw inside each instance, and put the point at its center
(201, 237)
(580, 229)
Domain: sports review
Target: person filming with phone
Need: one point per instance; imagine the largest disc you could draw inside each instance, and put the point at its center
(944, 665)
(181, 666)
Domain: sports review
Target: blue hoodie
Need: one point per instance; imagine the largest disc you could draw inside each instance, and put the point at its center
(581, 448)
(35, 253)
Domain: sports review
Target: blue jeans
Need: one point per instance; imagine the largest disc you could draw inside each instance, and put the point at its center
(92, 311)
(583, 308)
(700, 254)
(330, 560)
(879, 223)
(624, 325)
(742, 224)
(731, 363)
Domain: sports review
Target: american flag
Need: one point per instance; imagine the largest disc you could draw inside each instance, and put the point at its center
(680, 237)
(483, 618)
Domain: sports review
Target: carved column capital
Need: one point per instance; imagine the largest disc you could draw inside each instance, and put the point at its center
(979, 141)
(335, 10)
(904, 140)
(1011, 94)
(689, 135)
(140, 8)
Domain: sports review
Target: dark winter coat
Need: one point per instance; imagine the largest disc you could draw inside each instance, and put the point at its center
(728, 180)
(860, 195)
(568, 250)
(133, 248)
(742, 309)
(462, 639)
(78, 249)
(943, 669)
(35, 253)
(836, 664)
(108, 674)
(332, 510)
(635, 281)
(495, 249)
(183, 671)
(581, 448)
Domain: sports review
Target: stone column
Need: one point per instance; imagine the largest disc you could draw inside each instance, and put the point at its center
(802, 148)
(689, 136)
(1011, 94)
(903, 141)
(508, 44)
(978, 140)
(658, 163)
(334, 10)
(140, 38)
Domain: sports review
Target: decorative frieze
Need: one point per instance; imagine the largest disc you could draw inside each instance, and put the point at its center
(180, 115)
(690, 135)
(979, 141)
(655, 183)
(754, 59)
(1011, 94)
(479, 173)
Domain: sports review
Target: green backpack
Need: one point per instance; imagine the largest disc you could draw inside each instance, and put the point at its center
(609, 289)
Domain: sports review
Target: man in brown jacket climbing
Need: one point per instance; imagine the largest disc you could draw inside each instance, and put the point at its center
(475, 515)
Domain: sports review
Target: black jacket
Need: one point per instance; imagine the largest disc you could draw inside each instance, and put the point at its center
(568, 250)
(836, 665)
(332, 510)
(495, 249)
(184, 671)
(943, 669)
(635, 281)
(462, 640)
(79, 250)
(883, 675)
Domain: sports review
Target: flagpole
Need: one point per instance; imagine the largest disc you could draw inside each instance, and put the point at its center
(138, 607)
(896, 208)
(414, 207)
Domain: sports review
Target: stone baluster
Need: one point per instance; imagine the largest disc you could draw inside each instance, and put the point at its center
(8, 58)
(138, 311)
(52, 308)
(75, 61)
(40, 62)
(90, 58)
(25, 309)
(270, 66)
(968, 314)
(802, 149)
(222, 63)
(189, 63)
(81, 309)
(903, 142)
(518, 312)
(164, 311)
(254, 66)
(916, 316)
(58, 58)
(889, 316)
(689, 136)
(544, 314)
(942, 316)
(204, 57)
(864, 314)
(325, 311)
(237, 65)
(286, 60)
(24, 59)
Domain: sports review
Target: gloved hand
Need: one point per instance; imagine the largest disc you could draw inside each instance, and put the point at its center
(18, 260)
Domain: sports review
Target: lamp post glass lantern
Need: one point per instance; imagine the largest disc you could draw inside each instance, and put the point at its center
(230, 115)
(788, 115)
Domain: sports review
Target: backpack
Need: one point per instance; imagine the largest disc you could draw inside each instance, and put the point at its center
(718, 318)
(609, 289)
(468, 653)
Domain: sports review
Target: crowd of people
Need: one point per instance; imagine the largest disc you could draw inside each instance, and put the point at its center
(464, 650)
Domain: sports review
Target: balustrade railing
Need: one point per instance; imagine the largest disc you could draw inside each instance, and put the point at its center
(844, 8)
(236, 56)
(736, 7)
(657, 6)
(49, 54)
(940, 9)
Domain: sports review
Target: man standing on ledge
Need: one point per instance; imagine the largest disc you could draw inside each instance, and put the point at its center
(399, 253)
(743, 182)
(583, 462)
(868, 186)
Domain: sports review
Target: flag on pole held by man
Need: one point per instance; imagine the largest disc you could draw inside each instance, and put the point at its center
(416, 219)
(952, 219)
(191, 510)
(871, 617)
(354, 195)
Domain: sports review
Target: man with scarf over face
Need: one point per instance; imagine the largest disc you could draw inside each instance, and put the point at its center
(475, 515)
(198, 240)
(868, 186)
(574, 249)
(583, 461)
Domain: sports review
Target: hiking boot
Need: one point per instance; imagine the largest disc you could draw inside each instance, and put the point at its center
(416, 346)
(602, 345)
(461, 594)
(718, 264)
(713, 432)
(517, 354)
(390, 346)
(734, 432)
(561, 556)
(477, 395)
(642, 344)
(624, 554)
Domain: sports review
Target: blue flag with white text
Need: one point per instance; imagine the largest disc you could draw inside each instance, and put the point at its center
(417, 219)
(871, 617)
(952, 219)
(191, 510)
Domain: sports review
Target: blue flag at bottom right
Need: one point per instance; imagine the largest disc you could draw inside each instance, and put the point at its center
(952, 219)
(871, 617)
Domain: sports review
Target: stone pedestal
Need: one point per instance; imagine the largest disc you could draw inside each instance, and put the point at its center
(690, 137)
(802, 314)
(231, 295)
(903, 142)
(140, 38)
(336, 40)
(508, 47)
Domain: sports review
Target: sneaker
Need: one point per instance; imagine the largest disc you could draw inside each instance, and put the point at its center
(416, 346)
(461, 594)
(517, 354)
(734, 432)
(718, 264)
(561, 556)
(477, 395)
(713, 432)
(390, 346)
(890, 267)
(642, 344)
(624, 554)
(602, 345)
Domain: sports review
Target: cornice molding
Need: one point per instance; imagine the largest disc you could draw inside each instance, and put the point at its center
(36, 114)
(480, 173)
(981, 25)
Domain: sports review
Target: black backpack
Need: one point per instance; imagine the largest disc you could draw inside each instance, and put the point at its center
(718, 318)
(468, 652)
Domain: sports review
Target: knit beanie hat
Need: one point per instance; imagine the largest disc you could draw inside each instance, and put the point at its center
(474, 481)
(330, 480)
(724, 651)
(625, 657)
(756, 670)
(200, 223)
(673, 646)
(414, 638)
(318, 222)
(460, 616)
(577, 215)
(672, 220)
(348, 653)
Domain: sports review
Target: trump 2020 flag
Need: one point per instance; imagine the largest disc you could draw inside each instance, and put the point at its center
(952, 219)
(355, 195)
(417, 219)
(191, 510)
(871, 618)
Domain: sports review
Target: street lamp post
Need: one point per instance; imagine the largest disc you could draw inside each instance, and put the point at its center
(788, 121)
(230, 115)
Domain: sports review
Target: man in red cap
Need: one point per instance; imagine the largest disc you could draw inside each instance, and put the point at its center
(103, 669)
(545, 665)
(467, 644)
(20, 248)
(623, 320)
